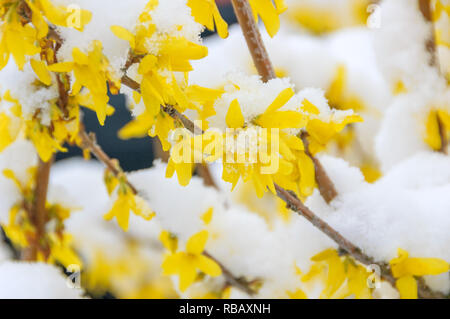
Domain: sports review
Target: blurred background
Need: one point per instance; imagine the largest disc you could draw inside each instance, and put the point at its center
(133, 154)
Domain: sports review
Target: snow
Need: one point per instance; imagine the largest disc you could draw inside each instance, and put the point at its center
(34, 281)
(18, 157)
(31, 97)
(106, 13)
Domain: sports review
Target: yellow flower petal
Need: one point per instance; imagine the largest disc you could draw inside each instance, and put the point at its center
(124, 34)
(196, 244)
(207, 216)
(280, 100)
(187, 273)
(234, 117)
(169, 241)
(41, 70)
(208, 266)
(61, 67)
(407, 287)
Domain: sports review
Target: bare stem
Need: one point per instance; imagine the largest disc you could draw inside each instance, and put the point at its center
(240, 283)
(89, 142)
(205, 173)
(254, 40)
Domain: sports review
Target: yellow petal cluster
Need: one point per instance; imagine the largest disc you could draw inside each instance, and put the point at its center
(24, 23)
(405, 268)
(56, 245)
(276, 155)
(47, 139)
(342, 276)
(127, 201)
(164, 64)
(269, 12)
(91, 71)
(187, 264)
(206, 13)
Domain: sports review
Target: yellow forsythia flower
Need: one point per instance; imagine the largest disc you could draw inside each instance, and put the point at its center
(269, 13)
(61, 251)
(187, 264)
(91, 71)
(207, 216)
(126, 202)
(341, 276)
(339, 95)
(404, 268)
(206, 13)
(169, 241)
(20, 36)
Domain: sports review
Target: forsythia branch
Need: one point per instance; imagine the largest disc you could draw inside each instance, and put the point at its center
(254, 40)
(297, 206)
(89, 142)
(267, 72)
(38, 212)
(240, 283)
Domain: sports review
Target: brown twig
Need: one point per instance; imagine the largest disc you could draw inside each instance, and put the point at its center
(425, 9)
(267, 72)
(205, 173)
(239, 283)
(254, 40)
(324, 183)
(38, 211)
(89, 142)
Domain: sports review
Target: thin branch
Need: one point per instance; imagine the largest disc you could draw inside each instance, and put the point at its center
(205, 173)
(254, 40)
(202, 169)
(347, 246)
(38, 211)
(266, 70)
(239, 283)
(89, 142)
(297, 206)
(324, 183)
(427, 13)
